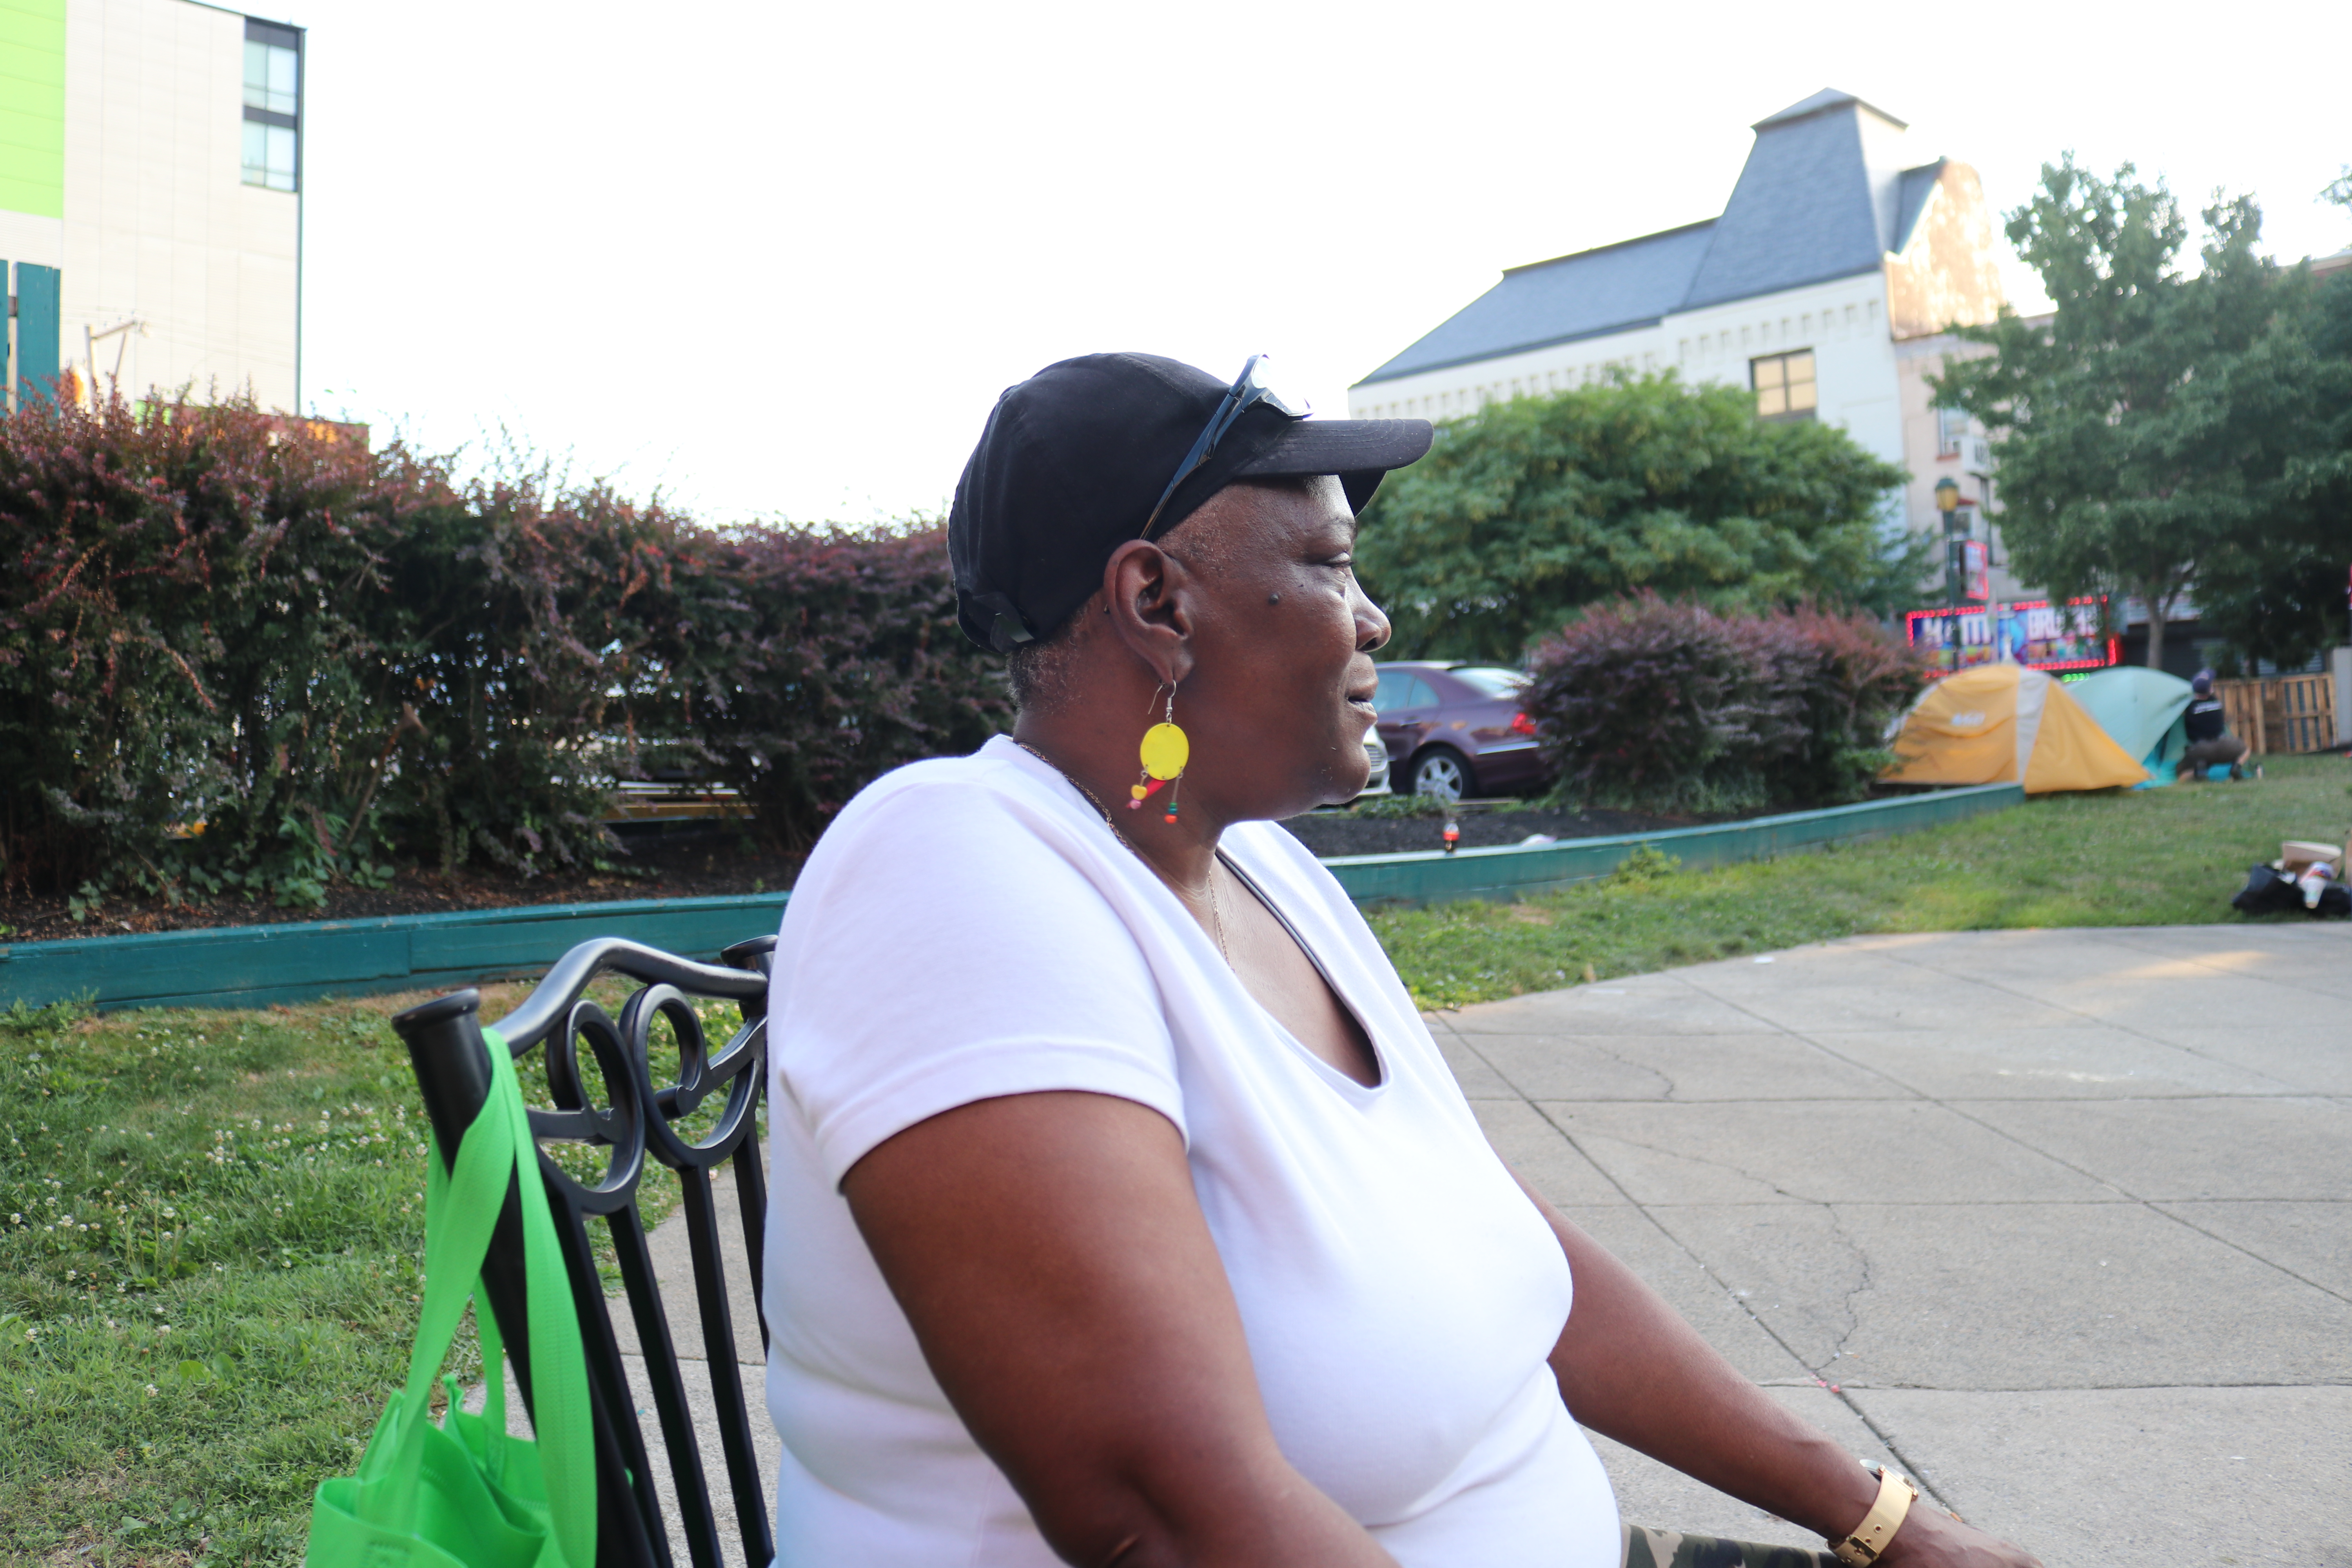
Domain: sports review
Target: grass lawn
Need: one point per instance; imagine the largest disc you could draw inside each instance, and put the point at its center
(210, 1222)
(210, 1230)
(2155, 856)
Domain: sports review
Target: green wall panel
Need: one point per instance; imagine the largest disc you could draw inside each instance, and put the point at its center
(36, 331)
(33, 107)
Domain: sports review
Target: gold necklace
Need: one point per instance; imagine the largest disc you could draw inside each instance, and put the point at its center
(1217, 905)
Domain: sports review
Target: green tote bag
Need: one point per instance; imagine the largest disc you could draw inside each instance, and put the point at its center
(463, 1494)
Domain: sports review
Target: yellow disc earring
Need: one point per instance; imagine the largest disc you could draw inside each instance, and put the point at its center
(1166, 749)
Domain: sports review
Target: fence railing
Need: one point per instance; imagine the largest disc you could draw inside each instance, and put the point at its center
(2281, 713)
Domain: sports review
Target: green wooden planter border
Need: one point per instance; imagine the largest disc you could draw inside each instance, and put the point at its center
(1510, 872)
(254, 966)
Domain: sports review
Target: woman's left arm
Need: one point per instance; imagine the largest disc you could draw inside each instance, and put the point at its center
(1631, 1368)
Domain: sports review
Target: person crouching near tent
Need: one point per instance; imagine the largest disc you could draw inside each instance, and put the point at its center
(2210, 742)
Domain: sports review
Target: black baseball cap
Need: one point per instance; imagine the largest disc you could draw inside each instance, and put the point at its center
(1074, 460)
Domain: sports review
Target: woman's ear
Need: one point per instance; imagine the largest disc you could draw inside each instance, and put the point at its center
(1147, 596)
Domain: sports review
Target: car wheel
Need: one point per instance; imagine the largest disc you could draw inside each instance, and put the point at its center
(1442, 772)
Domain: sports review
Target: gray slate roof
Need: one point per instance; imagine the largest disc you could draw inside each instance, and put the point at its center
(1823, 196)
(1630, 284)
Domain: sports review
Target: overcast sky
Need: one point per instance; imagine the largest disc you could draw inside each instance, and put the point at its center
(778, 260)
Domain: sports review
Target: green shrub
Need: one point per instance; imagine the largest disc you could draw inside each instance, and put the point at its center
(1663, 707)
(241, 655)
(842, 661)
(176, 652)
(1531, 509)
(530, 640)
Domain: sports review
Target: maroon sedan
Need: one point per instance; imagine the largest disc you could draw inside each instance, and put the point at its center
(1457, 729)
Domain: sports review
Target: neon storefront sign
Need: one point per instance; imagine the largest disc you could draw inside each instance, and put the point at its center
(2032, 632)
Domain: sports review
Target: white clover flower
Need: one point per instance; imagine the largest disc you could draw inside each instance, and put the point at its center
(150, 1391)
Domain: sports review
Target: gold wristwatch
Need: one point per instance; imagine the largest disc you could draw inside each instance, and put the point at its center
(1895, 1496)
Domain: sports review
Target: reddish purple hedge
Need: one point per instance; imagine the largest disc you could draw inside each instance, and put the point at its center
(335, 660)
(1645, 703)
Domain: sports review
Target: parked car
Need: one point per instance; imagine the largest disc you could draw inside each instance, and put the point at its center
(1376, 754)
(1453, 728)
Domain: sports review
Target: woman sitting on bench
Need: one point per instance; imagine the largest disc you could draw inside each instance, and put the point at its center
(1123, 1210)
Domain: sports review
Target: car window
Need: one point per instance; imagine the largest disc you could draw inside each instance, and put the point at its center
(1396, 686)
(1421, 696)
(1490, 680)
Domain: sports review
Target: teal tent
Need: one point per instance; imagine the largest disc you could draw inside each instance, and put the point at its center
(2140, 709)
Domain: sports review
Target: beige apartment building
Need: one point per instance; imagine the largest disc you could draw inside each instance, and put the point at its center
(150, 199)
(1825, 287)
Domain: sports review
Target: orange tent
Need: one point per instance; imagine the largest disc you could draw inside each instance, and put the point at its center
(2002, 723)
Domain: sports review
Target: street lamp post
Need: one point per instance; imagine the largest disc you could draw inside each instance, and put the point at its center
(1947, 502)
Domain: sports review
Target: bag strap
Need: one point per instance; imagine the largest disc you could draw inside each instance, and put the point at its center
(461, 1208)
(561, 1417)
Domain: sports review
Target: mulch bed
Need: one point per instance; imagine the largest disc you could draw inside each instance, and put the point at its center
(1349, 833)
(715, 863)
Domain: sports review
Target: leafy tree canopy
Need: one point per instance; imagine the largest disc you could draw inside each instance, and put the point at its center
(2149, 432)
(1527, 512)
(2280, 595)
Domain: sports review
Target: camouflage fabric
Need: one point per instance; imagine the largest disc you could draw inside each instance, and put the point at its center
(1647, 1548)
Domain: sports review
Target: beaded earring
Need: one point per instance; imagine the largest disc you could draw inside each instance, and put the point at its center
(1165, 750)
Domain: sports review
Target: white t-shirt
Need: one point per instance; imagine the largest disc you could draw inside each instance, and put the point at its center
(969, 928)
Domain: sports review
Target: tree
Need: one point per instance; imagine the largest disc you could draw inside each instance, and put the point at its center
(1527, 512)
(2145, 434)
(2281, 597)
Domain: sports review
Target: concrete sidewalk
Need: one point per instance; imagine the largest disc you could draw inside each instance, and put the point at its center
(2060, 1222)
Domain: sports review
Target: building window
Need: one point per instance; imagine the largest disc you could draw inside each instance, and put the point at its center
(1952, 424)
(273, 105)
(1784, 386)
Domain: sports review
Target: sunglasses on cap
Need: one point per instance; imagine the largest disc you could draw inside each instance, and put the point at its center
(1249, 389)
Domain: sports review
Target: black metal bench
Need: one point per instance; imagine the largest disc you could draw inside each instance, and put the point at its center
(445, 1043)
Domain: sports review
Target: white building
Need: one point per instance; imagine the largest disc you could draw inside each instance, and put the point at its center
(1825, 287)
(151, 205)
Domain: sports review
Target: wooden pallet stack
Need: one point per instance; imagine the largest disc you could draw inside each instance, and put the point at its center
(2280, 714)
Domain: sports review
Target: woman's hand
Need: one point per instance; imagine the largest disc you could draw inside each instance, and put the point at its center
(1629, 1368)
(1930, 1538)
